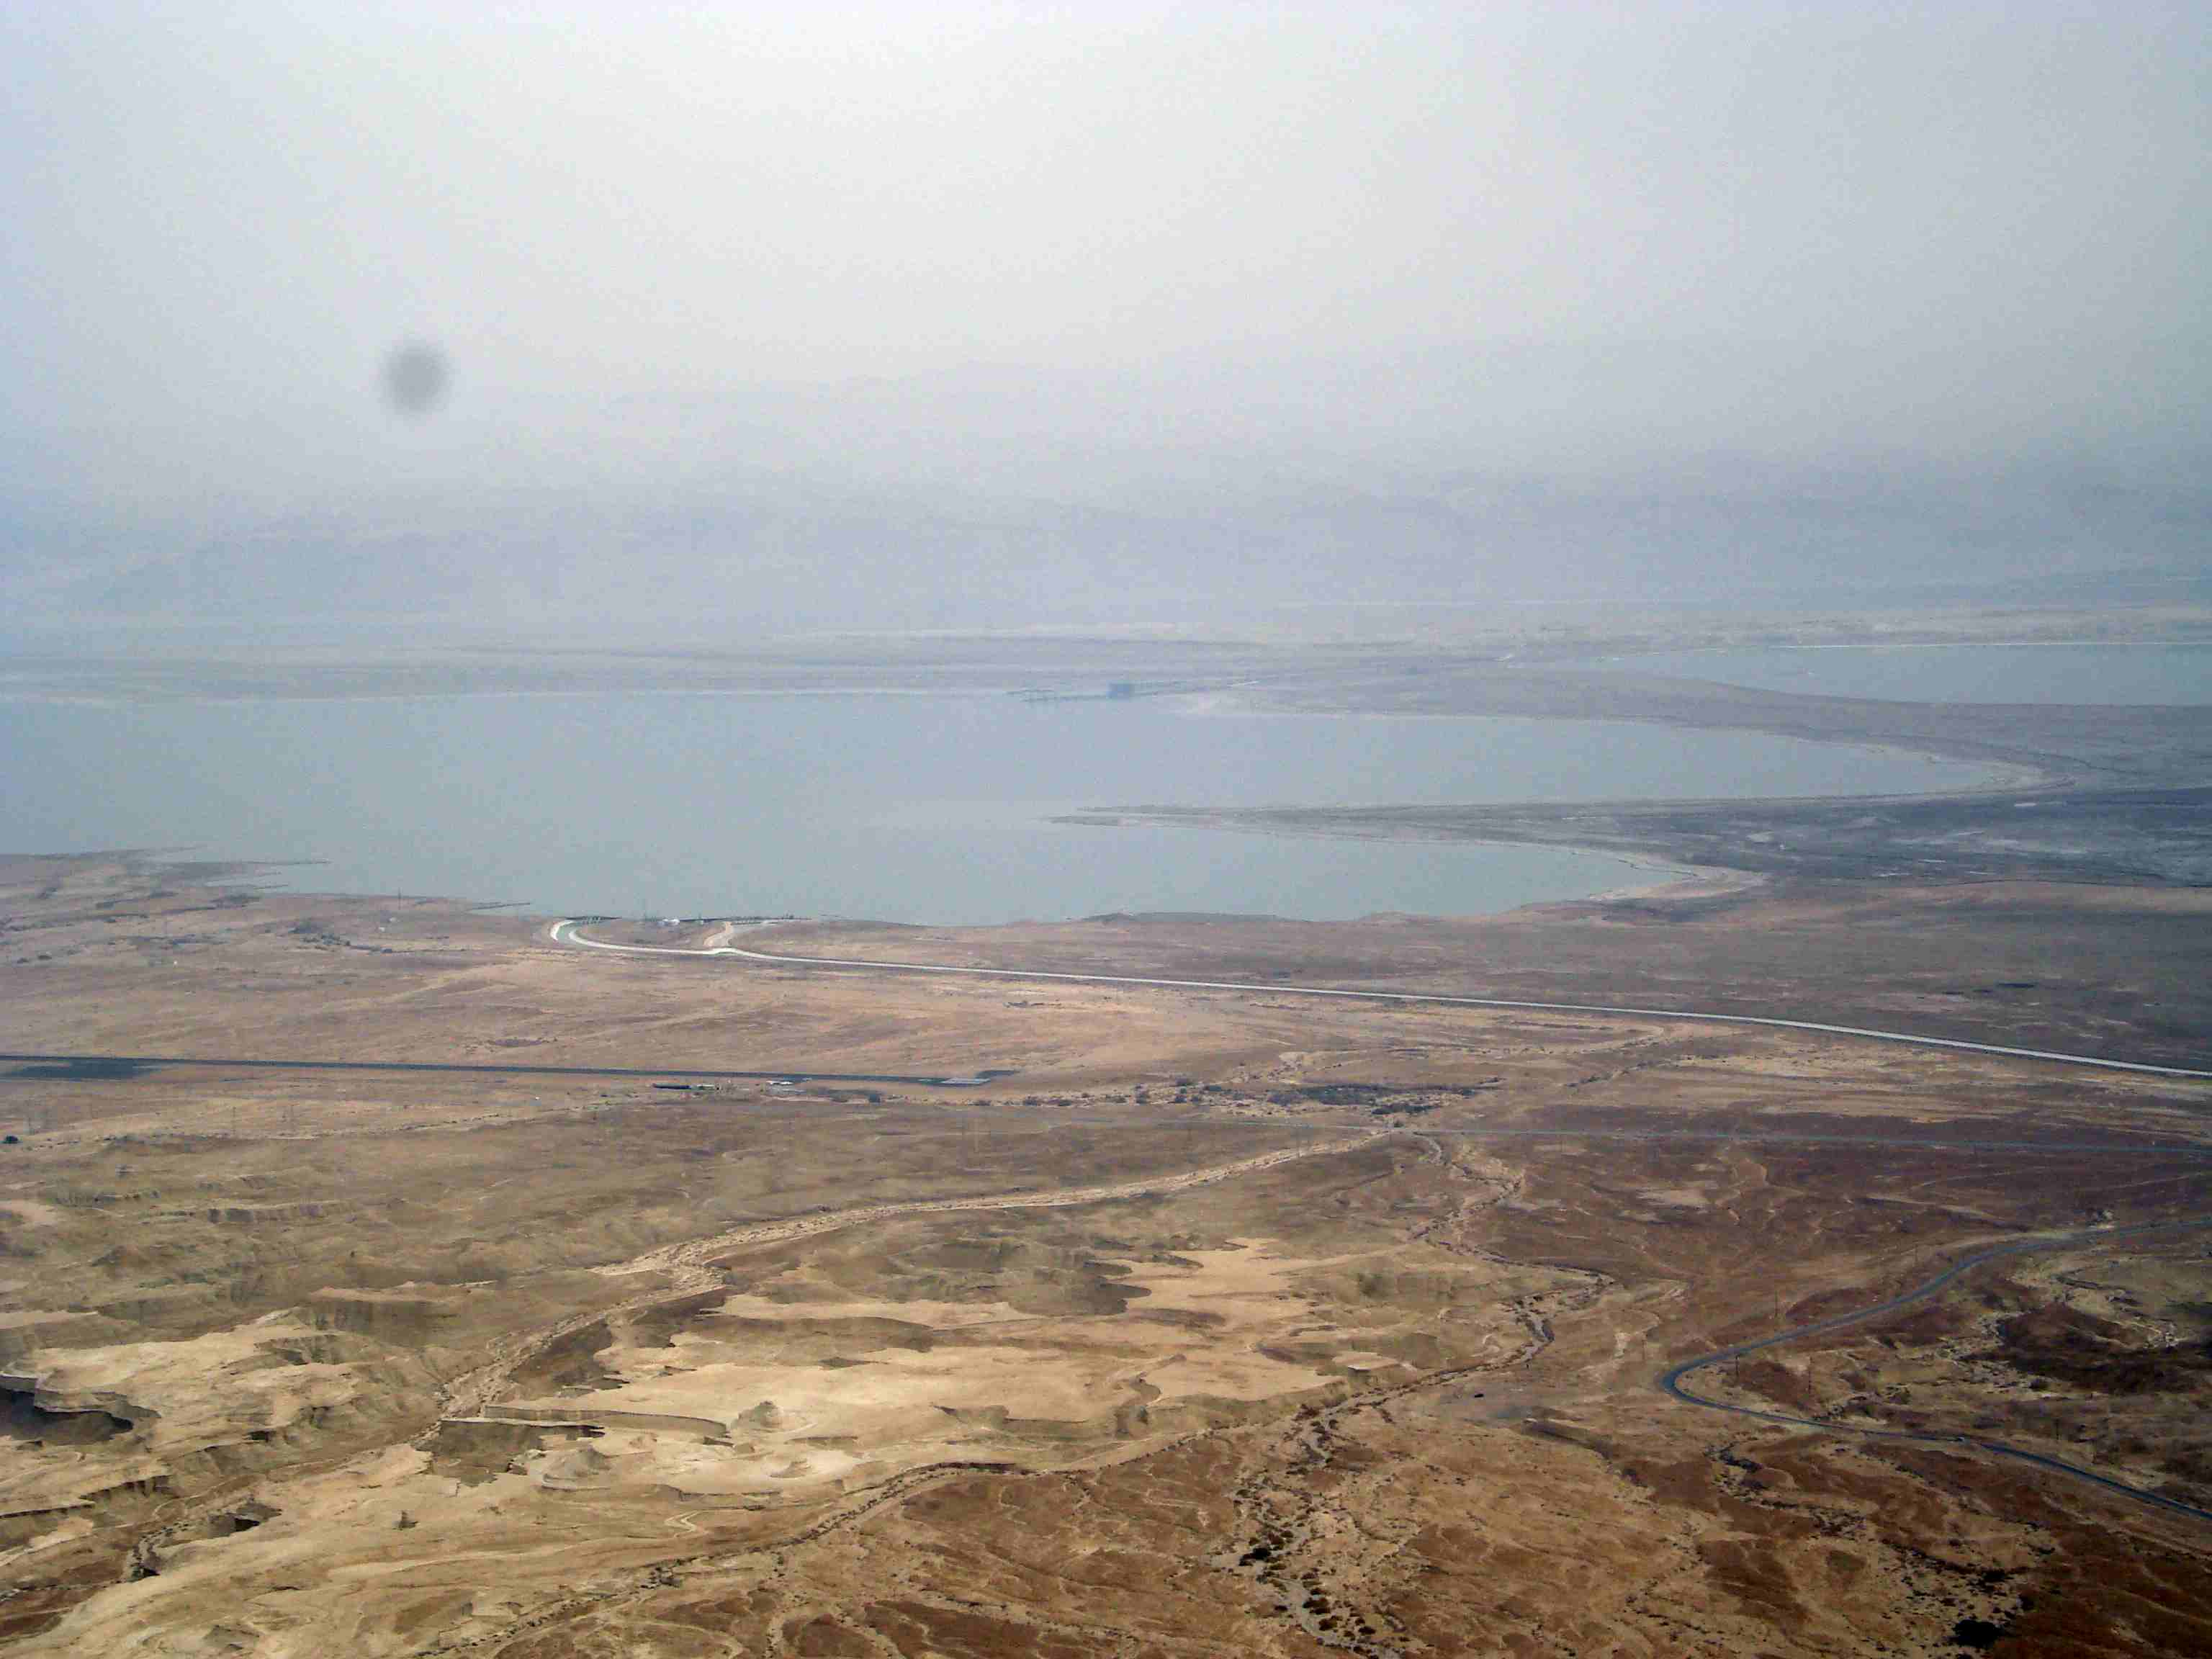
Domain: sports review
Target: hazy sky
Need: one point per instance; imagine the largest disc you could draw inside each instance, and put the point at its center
(661, 242)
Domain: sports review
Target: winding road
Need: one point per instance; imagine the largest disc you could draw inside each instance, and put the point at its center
(1671, 1380)
(564, 932)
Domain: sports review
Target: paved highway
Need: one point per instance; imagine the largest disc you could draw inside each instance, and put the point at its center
(91, 1067)
(564, 932)
(1672, 1380)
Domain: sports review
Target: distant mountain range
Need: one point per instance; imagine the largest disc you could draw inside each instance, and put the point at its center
(786, 554)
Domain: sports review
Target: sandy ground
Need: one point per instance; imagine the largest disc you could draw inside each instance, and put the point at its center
(1220, 1326)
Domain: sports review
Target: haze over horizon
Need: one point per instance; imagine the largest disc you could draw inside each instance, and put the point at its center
(1001, 316)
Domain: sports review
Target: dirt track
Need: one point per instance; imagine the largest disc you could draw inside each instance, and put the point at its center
(692, 1262)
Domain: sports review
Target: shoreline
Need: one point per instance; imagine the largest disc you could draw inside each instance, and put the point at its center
(192, 865)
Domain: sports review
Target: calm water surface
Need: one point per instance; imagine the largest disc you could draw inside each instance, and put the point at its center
(2169, 674)
(909, 809)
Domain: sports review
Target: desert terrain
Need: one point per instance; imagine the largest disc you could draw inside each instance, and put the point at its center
(1203, 1322)
(1068, 832)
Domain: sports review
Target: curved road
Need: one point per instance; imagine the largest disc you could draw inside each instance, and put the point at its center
(1671, 1380)
(564, 932)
